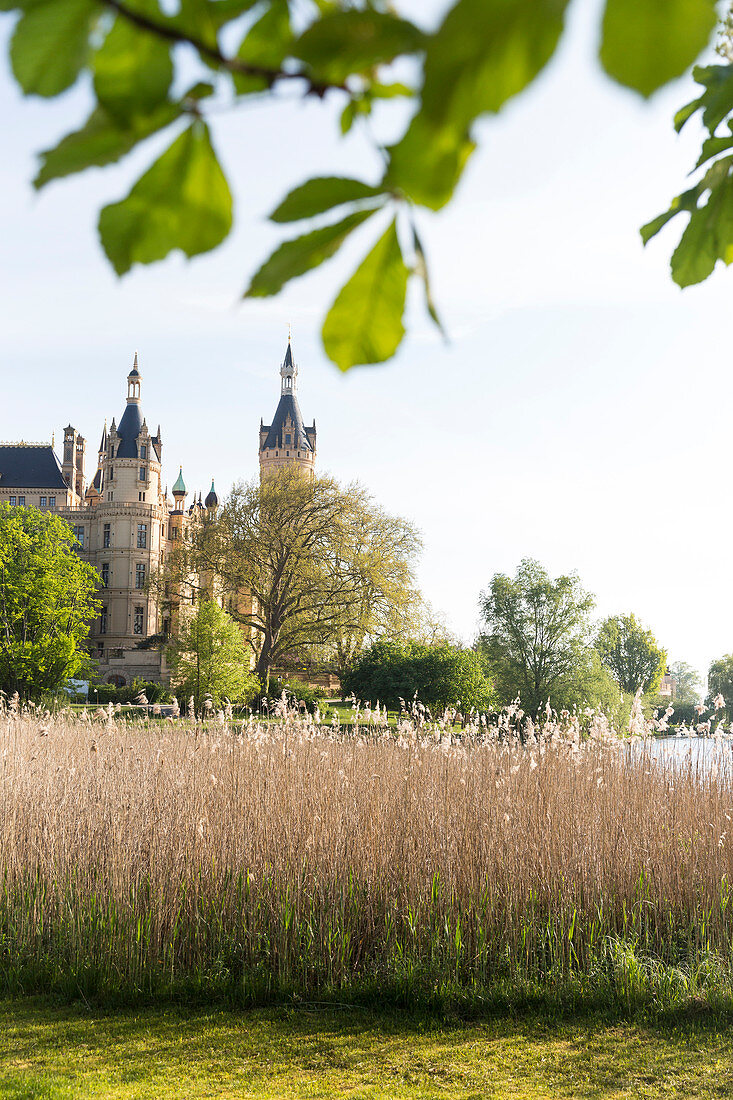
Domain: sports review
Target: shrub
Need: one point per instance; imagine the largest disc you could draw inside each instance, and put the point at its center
(296, 690)
(440, 675)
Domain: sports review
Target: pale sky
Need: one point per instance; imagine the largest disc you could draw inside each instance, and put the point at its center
(579, 415)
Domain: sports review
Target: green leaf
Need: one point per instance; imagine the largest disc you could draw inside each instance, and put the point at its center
(712, 147)
(203, 19)
(347, 42)
(100, 141)
(346, 120)
(717, 99)
(266, 45)
(133, 69)
(320, 194)
(485, 52)
(364, 324)
(707, 238)
(182, 201)
(647, 43)
(50, 45)
(296, 257)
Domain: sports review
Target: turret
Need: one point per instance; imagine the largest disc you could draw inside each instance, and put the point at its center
(179, 491)
(286, 441)
(212, 501)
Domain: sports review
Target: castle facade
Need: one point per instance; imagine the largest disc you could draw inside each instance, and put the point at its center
(124, 520)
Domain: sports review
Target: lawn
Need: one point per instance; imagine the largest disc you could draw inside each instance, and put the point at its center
(72, 1053)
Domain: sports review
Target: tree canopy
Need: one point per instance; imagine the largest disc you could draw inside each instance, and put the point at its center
(311, 567)
(208, 656)
(720, 681)
(536, 641)
(631, 653)
(154, 70)
(439, 676)
(688, 682)
(47, 601)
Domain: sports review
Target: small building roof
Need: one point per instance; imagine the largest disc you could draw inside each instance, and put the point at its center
(212, 500)
(180, 485)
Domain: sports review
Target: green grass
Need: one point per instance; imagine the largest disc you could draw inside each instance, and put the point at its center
(73, 1053)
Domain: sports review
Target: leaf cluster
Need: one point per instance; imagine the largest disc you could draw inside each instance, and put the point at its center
(481, 54)
(437, 675)
(631, 653)
(47, 601)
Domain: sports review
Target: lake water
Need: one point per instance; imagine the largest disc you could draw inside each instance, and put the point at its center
(696, 752)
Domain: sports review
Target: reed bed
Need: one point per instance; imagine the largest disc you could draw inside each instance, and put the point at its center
(256, 862)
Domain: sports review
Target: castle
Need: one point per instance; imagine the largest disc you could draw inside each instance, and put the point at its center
(126, 523)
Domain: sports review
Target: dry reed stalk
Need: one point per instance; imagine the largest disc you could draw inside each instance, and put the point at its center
(289, 856)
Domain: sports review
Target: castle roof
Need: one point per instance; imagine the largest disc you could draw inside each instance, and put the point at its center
(287, 407)
(212, 500)
(30, 466)
(180, 485)
(128, 431)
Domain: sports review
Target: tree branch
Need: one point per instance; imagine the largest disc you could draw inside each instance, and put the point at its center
(213, 53)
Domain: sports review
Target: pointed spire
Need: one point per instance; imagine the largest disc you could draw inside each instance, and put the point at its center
(288, 372)
(103, 440)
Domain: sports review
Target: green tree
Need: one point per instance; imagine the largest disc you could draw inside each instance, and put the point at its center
(631, 653)
(439, 675)
(479, 56)
(688, 682)
(319, 569)
(720, 681)
(208, 656)
(536, 638)
(47, 601)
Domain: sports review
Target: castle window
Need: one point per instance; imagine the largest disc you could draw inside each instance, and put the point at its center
(142, 535)
(143, 451)
(52, 502)
(141, 474)
(43, 502)
(107, 535)
(140, 575)
(287, 439)
(137, 626)
(13, 501)
(105, 574)
(21, 502)
(79, 534)
(287, 454)
(103, 621)
(110, 496)
(111, 476)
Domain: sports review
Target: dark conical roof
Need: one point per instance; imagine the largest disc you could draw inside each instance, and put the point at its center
(287, 406)
(212, 500)
(129, 430)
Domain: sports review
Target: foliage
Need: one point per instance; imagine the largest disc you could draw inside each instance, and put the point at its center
(688, 682)
(720, 681)
(438, 675)
(318, 568)
(208, 656)
(141, 57)
(130, 693)
(537, 638)
(708, 235)
(47, 601)
(631, 653)
(297, 692)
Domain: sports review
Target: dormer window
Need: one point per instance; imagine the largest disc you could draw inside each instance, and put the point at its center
(143, 451)
(287, 440)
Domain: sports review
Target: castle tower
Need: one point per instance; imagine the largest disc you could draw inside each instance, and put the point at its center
(287, 441)
(73, 460)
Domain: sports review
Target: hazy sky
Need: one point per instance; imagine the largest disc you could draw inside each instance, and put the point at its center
(579, 415)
